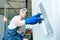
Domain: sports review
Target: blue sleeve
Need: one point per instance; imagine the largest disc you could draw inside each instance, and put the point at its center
(30, 20)
(34, 19)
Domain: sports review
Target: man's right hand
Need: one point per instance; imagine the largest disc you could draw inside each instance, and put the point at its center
(34, 19)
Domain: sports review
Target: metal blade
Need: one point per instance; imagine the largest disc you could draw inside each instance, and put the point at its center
(46, 20)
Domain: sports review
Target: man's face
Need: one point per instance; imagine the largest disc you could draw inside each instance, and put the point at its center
(23, 14)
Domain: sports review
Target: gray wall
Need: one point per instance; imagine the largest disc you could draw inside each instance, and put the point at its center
(52, 8)
(1, 26)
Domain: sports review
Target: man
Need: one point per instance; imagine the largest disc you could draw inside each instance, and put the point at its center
(17, 22)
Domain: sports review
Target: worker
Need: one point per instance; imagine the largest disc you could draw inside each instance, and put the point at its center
(17, 22)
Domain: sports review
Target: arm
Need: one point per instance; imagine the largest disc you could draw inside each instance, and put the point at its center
(19, 22)
(32, 20)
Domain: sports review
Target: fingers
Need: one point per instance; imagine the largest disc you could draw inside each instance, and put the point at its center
(38, 15)
(39, 20)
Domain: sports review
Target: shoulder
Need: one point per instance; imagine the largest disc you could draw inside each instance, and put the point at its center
(15, 17)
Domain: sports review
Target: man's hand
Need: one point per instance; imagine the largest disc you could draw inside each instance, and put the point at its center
(38, 15)
(34, 19)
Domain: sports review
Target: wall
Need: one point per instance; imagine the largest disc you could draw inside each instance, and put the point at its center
(52, 11)
(1, 26)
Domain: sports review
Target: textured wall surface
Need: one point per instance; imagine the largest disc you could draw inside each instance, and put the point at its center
(1, 26)
(39, 30)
